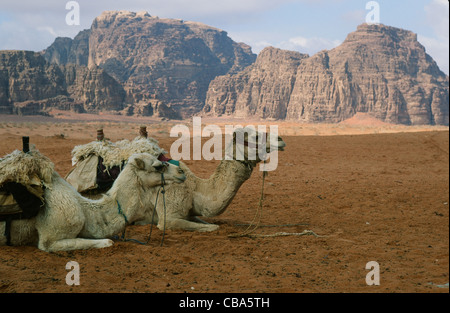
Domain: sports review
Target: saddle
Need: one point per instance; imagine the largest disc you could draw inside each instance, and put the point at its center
(106, 177)
(17, 203)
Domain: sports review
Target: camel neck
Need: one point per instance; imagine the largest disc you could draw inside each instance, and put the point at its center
(103, 219)
(117, 208)
(127, 200)
(237, 171)
(215, 193)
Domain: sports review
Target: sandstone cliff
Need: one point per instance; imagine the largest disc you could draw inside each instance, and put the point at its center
(65, 50)
(31, 85)
(165, 61)
(94, 88)
(262, 89)
(378, 69)
(24, 76)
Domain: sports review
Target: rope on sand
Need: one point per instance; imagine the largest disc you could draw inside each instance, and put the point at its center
(254, 225)
(256, 222)
(279, 234)
(281, 225)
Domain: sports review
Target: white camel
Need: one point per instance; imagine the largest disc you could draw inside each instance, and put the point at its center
(69, 221)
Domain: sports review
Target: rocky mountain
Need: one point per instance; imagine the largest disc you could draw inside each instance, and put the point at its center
(31, 85)
(380, 70)
(94, 88)
(134, 63)
(65, 50)
(161, 63)
(262, 89)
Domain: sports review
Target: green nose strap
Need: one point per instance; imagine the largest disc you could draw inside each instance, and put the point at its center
(177, 163)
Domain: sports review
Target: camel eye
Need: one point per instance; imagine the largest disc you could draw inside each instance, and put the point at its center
(160, 168)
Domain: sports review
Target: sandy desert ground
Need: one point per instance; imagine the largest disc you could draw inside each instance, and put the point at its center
(371, 191)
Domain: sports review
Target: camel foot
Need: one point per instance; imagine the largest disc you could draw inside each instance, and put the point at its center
(76, 244)
(188, 225)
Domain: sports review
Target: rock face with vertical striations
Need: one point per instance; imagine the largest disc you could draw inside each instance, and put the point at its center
(380, 70)
(95, 88)
(31, 85)
(65, 50)
(160, 62)
(24, 76)
(262, 89)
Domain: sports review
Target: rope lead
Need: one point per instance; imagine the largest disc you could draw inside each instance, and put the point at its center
(252, 227)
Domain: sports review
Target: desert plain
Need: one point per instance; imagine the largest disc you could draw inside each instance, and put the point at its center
(371, 191)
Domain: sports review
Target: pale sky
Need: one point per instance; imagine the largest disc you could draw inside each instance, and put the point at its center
(307, 26)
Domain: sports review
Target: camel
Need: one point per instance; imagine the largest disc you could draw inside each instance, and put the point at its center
(67, 220)
(210, 197)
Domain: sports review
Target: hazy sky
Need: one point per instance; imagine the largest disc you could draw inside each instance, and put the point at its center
(307, 26)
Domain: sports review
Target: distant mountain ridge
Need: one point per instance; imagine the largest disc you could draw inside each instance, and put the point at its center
(159, 62)
(137, 64)
(378, 69)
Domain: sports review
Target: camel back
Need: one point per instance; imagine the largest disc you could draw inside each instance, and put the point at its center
(32, 170)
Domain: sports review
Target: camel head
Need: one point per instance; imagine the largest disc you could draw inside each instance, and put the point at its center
(151, 171)
(274, 142)
(249, 146)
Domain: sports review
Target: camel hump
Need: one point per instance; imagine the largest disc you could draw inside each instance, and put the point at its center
(26, 168)
(23, 177)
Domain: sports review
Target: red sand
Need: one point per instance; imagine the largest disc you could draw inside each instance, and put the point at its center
(374, 197)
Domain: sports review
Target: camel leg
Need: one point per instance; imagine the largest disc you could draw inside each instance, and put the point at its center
(58, 228)
(75, 244)
(187, 225)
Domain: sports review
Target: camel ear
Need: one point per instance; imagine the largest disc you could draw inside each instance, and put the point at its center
(140, 164)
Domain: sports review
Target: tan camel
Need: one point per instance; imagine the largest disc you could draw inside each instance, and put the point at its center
(210, 197)
(69, 221)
